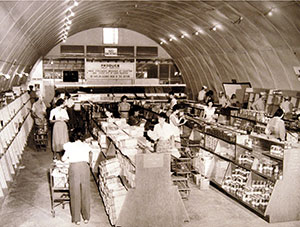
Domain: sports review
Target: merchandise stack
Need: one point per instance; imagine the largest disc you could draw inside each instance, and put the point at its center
(111, 188)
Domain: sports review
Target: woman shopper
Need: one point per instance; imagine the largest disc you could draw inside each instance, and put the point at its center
(60, 134)
(176, 122)
(77, 153)
(209, 112)
(162, 134)
(275, 127)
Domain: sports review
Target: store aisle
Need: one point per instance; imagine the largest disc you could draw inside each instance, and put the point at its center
(27, 203)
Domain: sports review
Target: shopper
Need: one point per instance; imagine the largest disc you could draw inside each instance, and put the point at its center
(134, 118)
(39, 111)
(209, 112)
(32, 95)
(124, 107)
(201, 94)
(286, 105)
(233, 100)
(60, 136)
(223, 100)
(260, 103)
(77, 153)
(275, 126)
(69, 104)
(176, 122)
(173, 100)
(162, 134)
(209, 96)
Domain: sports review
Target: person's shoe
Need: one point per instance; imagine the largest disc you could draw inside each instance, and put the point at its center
(86, 221)
(77, 222)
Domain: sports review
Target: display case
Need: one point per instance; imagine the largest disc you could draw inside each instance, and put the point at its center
(251, 169)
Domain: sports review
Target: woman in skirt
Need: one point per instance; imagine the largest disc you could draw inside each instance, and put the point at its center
(60, 135)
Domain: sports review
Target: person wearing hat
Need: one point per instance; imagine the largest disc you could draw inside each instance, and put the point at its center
(201, 95)
(286, 105)
(259, 104)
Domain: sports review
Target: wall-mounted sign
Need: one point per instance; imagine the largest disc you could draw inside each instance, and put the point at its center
(111, 51)
(109, 70)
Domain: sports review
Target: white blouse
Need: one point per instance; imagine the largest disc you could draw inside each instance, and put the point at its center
(59, 114)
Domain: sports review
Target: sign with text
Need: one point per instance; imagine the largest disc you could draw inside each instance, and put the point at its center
(110, 51)
(109, 70)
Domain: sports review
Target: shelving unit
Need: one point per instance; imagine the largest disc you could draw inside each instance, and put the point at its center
(247, 174)
(16, 124)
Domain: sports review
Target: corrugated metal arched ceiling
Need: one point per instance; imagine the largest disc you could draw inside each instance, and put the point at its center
(258, 48)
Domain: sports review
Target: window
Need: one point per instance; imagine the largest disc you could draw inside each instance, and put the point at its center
(110, 35)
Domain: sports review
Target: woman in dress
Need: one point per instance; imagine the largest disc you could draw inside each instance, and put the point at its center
(60, 135)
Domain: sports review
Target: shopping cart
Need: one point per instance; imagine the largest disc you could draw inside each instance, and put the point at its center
(41, 136)
(59, 187)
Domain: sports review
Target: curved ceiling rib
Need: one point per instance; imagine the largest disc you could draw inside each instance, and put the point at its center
(256, 48)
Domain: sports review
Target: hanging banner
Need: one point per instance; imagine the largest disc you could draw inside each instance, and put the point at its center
(109, 70)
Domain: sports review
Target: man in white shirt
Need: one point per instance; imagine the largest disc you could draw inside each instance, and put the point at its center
(201, 95)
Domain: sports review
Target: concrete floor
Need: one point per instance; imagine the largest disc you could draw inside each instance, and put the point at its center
(27, 202)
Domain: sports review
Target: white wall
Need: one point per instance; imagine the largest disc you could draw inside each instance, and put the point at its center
(94, 37)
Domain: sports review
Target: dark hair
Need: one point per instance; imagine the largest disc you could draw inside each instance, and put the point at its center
(210, 100)
(279, 112)
(171, 93)
(57, 93)
(77, 135)
(134, 108)
(162, 115)
(30, 86)
(59, 102)
(67, 94)
(123, 97)
(176, 107)
(209, 93)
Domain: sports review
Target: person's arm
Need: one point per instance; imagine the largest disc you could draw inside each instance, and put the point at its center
(65, 157)
(281, 128)
(174, 120)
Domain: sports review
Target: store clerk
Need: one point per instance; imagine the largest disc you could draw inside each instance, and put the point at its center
(163, 134)
(77, 153)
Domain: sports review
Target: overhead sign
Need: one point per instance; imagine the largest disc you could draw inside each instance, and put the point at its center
(111, 51)
(107, 70)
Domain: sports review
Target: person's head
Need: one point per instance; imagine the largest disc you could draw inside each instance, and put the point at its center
(210, 93)
(59, 102)
(176, 108)
(30, 87)
(57, 93)
(286, 98)
(171, 94)
(162, 118)
(204, 88)
(124, 98)
(279, 113)
(210, 103)
(233, 96)
(77, 135)
(67, 95)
